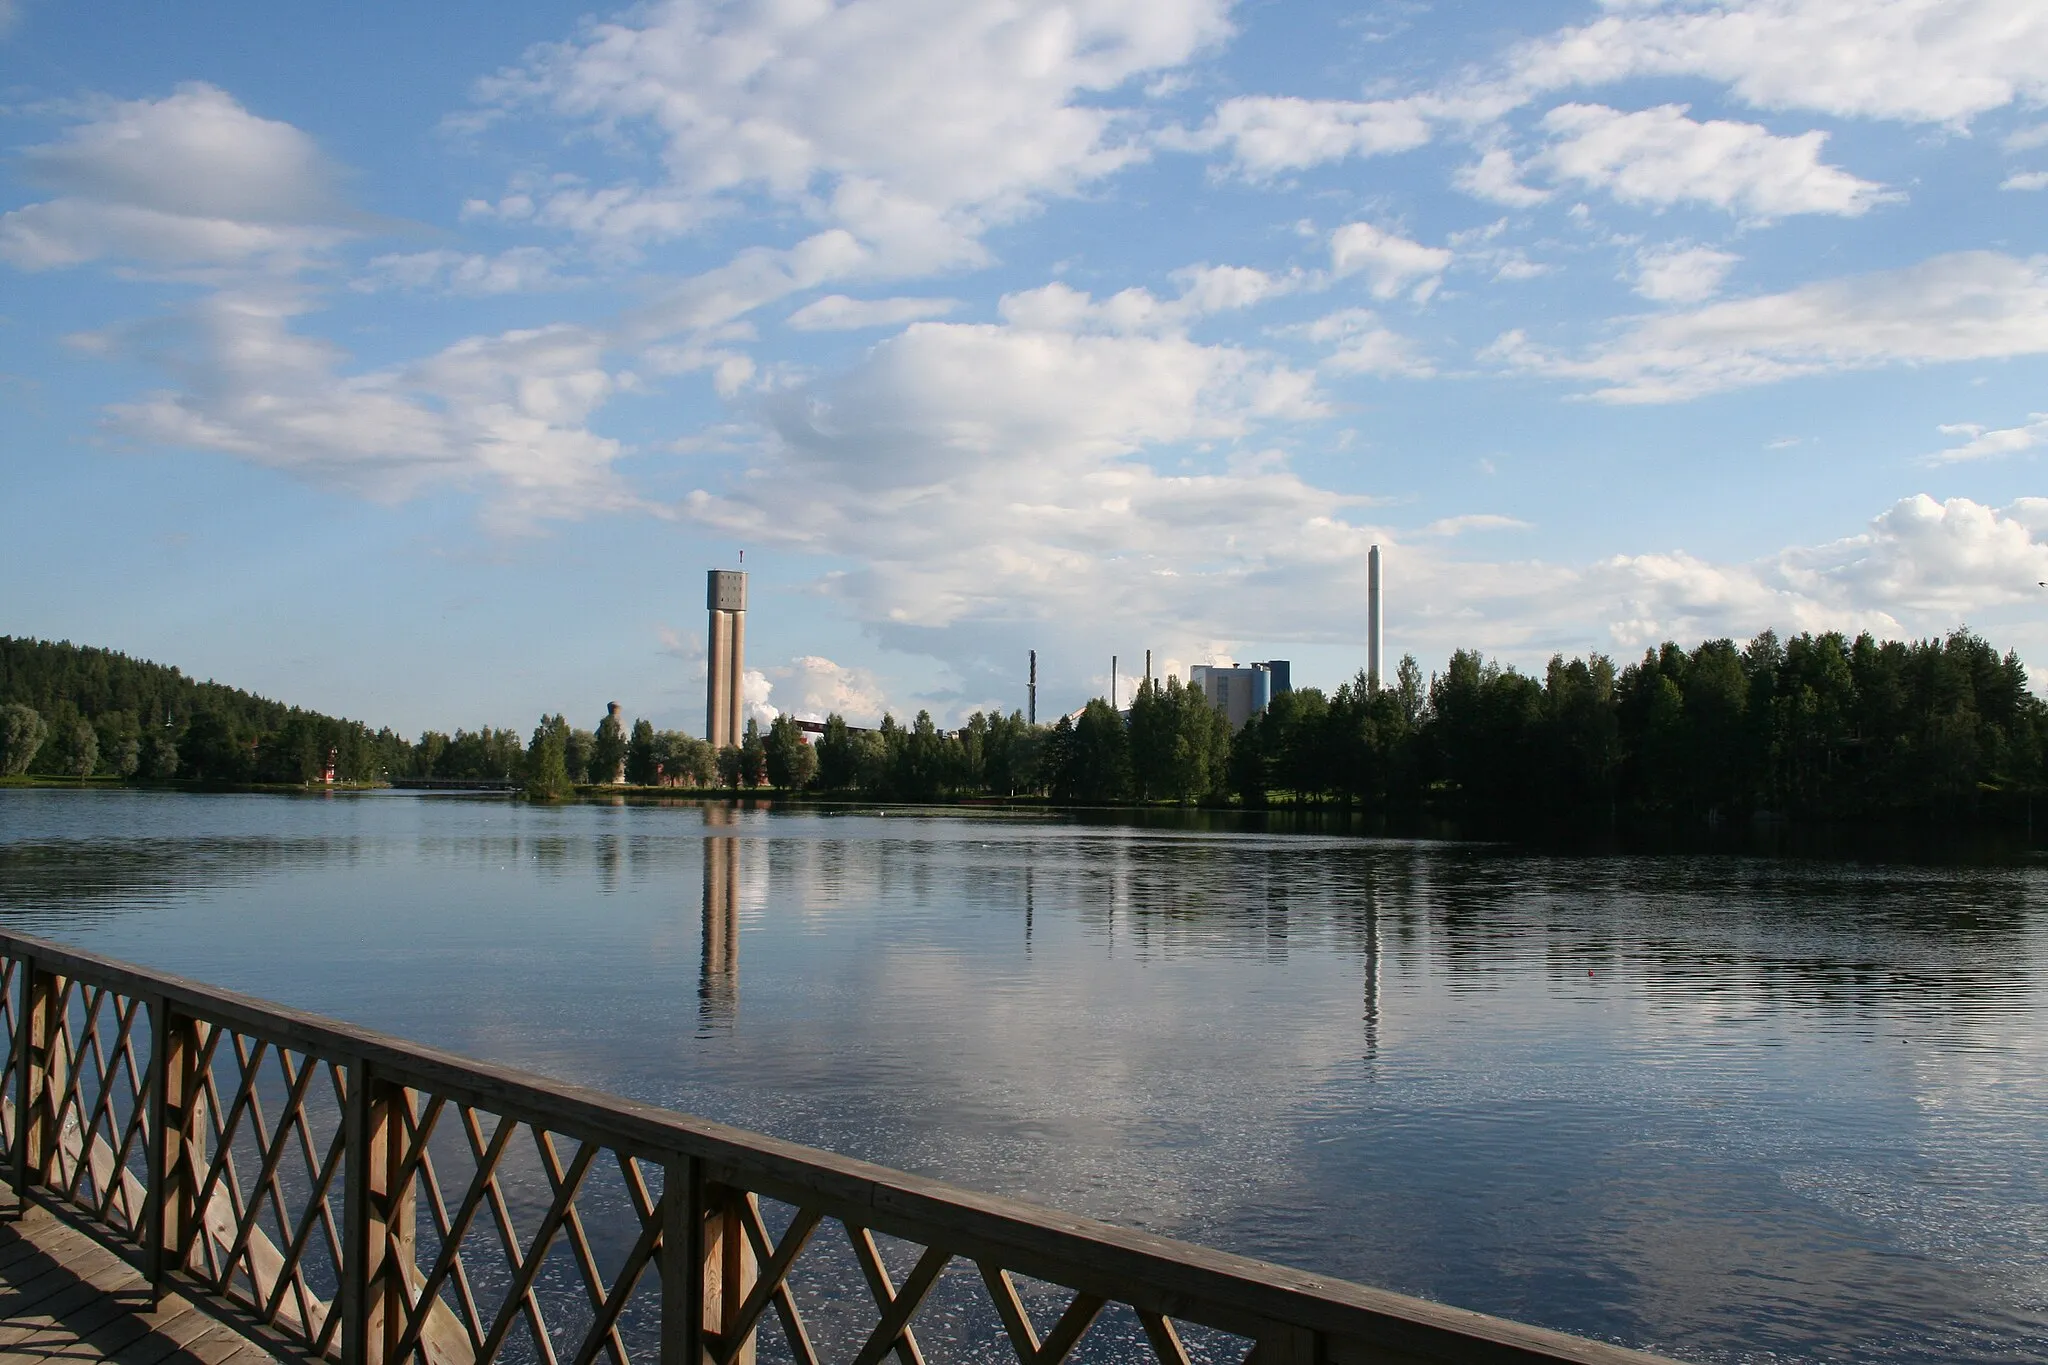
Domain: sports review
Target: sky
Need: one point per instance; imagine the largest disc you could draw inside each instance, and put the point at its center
(413, 362)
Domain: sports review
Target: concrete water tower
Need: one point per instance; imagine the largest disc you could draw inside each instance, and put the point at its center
(726, 672)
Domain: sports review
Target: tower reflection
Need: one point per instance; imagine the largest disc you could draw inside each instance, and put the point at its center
(718, 984)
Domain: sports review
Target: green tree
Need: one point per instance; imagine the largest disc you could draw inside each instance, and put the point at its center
(1094, 757)
(643, 769)
(547, 765)
(21, 734)
(792, 764)
(608, 748)
(578, 747)
(753, 769)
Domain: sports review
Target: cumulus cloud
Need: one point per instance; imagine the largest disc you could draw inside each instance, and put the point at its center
(1678, 273)
(1268, 134)
(838, 313)
(1474, 521)
(1660, 157)
(1973, 305)
(504, 414)
(2025, 180)
(1988, 443)
(813, 688)
(913, 126)
(1390, 263)
(190, 179)
(518, 270)
(1362, 344)
(1923, 61)
(1496, 177)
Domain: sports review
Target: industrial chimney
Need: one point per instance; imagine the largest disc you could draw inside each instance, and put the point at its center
(1372, 619)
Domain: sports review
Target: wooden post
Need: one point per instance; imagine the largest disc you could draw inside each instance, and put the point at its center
(381, 1222)
(18, 1153)
(45, 1073)
(729, 1267)
(177, 1137)
(682, 1252)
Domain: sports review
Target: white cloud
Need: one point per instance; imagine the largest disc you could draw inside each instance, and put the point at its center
(1390, 263)
(814, 688)
(838, 313)
(1926, 61)
(1987, 443)
(2028, 138)
(1496, 177)
(519, 270)
(1676, 273)
(1365, 345)
(190, 179)
(2025, 180)
(972, 468)
(1205, 290)
(1661, 157)
(502, 414)
(1474, 521)
(912, 126)
(1972, 305)
(1268, 134)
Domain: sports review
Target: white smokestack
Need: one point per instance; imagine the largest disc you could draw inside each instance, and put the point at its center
(1372, 619)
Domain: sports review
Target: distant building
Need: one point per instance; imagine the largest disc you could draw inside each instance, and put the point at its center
(725, 677)
(1282, 672)
(1241, 693)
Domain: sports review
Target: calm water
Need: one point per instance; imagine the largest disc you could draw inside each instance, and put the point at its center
(1728, 1109)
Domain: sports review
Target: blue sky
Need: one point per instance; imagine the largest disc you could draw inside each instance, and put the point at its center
(413, 362)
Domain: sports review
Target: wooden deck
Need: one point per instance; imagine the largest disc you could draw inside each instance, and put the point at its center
(64, 1297)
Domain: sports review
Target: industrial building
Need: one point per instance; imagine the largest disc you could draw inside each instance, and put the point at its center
(1243, 692)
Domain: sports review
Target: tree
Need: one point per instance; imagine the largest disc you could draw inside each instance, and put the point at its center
(608, 749)
(83, 753)
(1094, 759)
(753, 769)
(547, 766)
(577, 749)
(214, 749)
(642, 768)
(21, 734)
(791, 762)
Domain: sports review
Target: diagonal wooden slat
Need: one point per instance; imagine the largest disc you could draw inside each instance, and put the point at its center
(776, 1261)
(604, 1326)
(508, 1239)
(895, 1323)
(579, 1243)
(793, 1329)
(1166, 1343)
(879, 1285)
(550, 1224)
(453, 1233)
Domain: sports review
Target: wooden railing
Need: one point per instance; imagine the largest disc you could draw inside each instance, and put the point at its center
(357, 1196)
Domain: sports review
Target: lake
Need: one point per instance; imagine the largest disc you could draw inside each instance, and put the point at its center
(1726, 1108)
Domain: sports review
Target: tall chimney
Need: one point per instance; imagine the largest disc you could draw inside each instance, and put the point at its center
(1372, 619)
(1112, 682)
(1031, 716)
(1148, 670)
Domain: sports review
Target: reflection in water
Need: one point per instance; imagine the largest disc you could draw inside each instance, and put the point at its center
(718, 986)
(1728, 1108)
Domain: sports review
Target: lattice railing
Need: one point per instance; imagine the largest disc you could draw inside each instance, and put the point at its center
(351, 1195)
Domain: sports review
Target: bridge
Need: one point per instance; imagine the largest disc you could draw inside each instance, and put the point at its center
(205, 1178)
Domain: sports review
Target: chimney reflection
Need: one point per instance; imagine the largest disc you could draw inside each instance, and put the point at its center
(1372, 973)
(718, 985)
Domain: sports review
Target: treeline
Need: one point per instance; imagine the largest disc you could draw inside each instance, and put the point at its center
(1817, 727)
(73, 711)
(1820, 727)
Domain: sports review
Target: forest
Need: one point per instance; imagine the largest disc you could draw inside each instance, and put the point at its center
(1819, 727)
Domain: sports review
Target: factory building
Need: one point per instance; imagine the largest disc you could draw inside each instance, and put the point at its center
(1243, 692)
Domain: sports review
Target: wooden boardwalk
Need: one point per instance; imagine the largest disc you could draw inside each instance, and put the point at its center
(64, 1297)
